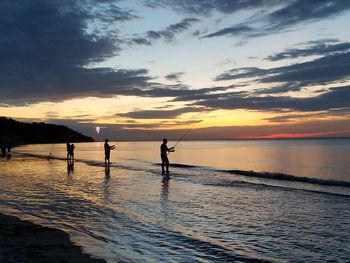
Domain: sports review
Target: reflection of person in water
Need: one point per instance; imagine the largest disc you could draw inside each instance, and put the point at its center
(164, 196)
(108, 149)
(107, 171)
(70, 166)
(164, 150)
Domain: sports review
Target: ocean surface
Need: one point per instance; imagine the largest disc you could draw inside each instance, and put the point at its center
(224, 201)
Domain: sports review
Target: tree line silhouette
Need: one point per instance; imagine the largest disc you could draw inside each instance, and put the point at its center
(15, 133)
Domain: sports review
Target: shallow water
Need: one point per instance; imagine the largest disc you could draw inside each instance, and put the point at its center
(131, 213)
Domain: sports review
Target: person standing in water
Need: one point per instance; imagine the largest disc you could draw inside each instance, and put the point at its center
(164, 150)
(72, 147)
(108, 149)
(70, 151)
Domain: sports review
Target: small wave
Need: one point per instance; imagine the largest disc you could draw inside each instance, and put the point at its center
(288, 177)
(270, 175)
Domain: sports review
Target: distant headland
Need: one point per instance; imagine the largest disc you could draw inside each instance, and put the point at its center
(16, 133)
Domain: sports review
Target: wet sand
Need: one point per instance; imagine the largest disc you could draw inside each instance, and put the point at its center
(23, 241)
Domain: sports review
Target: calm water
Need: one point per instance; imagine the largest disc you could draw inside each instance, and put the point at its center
(131, 213)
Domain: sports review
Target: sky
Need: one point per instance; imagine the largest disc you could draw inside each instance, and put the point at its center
(147, 69)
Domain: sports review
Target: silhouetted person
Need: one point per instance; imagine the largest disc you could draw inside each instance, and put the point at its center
(8, 147)
(164, 150)
(70, 151)
(108, 149)
(72, 147)
(3, 149)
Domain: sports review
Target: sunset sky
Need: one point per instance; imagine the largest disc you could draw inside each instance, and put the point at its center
(223, 68)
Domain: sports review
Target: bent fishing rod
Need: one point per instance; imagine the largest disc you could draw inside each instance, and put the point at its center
(179, 140)
(50, 155)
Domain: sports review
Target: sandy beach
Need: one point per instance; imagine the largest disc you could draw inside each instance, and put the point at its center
(23, 241)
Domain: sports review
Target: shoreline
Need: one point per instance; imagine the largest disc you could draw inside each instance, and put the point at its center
(24, 241)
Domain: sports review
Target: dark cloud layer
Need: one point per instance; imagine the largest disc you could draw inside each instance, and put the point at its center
(174, 76)
(333, 99)
(168, 34)
(294, 12)
(160, 114)
(48, 47)
(333, 66)
(320, 48)
(115, 132)
(205, 7)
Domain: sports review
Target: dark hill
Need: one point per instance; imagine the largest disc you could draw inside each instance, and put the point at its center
(15, 133)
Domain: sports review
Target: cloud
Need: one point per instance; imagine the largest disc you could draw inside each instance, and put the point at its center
(334, 66)
(205, 7)
(160, 114)
(319, 48)
(50, 45)
(157, 131)
(174, 76)
(168, 34)
(342, 113)
(292, 13)
(232, 31)
(337, 97)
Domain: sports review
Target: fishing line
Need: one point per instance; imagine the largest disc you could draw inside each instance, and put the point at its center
(183, 136)
(50, 155)
(179, 140)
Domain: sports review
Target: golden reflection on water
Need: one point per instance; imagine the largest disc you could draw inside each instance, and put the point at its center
(325, 159)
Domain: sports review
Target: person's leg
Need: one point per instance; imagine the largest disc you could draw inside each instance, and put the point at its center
(163, 165)
(167, 165)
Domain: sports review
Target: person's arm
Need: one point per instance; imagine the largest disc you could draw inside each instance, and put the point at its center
(112, 147)
(171, 149)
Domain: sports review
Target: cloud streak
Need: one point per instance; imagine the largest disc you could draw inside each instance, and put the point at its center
(160, 114)
(294, 12)
(168, 34)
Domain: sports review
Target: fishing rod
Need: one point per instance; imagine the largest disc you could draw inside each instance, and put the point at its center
(50, 155)
(179, 140)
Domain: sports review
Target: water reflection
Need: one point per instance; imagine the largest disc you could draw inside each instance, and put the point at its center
(70, 167)
(164, 195)
(107, 170)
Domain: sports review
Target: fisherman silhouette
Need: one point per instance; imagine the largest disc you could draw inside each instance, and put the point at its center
(108, 149)
(8, 147)
(70, 151)
(164, 150)
(3, 149)
(72, 147)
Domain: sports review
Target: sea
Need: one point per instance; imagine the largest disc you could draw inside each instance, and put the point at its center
(223, 201)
